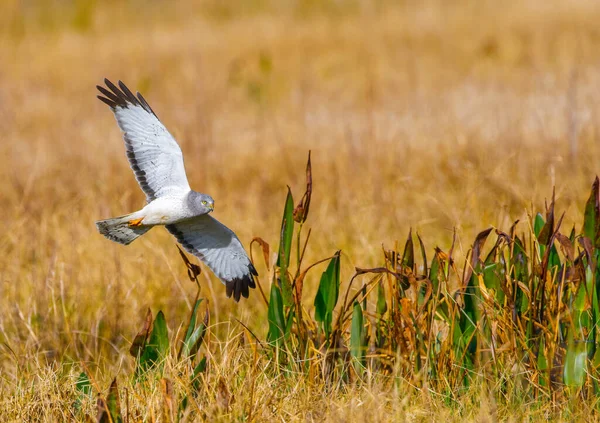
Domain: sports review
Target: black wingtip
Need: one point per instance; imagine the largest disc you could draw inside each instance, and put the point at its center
(121, 96)
(240, 287)
(253, 269)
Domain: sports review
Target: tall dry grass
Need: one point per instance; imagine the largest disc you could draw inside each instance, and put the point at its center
(432, 115)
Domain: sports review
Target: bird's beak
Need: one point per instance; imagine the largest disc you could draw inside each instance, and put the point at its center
(211, 207)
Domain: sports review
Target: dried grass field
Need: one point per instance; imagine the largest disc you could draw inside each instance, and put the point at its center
(444, 117)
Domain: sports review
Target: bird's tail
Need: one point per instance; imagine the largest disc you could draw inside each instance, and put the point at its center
(121, 230)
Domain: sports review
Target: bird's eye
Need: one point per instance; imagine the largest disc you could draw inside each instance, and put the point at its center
(204, 202)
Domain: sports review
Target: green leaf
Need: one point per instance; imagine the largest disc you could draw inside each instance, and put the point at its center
(328, 292)
(84, 388)
(470, 314)
(408, 257)
(591, 220)
(200, 368)
(83, 384)
(185, 348)
(195, 341)
(157, 347)
(111, 407)
(114, 405)
(285, 248)
(434, 271)
(194, 335)
(276, 317)
(139, 342)
(520, 272)
(408, 261)
(575, 363)
(357, 336)
(381, 303)
(542, 362)
(287, 230)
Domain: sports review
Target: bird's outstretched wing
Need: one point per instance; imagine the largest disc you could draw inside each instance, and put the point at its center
(153, 153)
(220, 249)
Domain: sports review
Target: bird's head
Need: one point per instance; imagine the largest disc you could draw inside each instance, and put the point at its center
(206, 203)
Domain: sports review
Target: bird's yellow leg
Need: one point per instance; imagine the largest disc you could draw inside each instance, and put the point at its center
(135, 222)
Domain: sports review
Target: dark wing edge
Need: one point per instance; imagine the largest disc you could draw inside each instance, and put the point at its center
(237, 287)
(122, 97)
(240, 286)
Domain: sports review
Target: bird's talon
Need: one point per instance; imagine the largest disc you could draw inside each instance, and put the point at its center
(135, 222)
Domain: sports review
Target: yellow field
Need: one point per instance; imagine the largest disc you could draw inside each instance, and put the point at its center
(428, 115)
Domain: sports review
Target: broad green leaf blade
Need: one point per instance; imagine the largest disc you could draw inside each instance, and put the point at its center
(408, 257)
(542, 362)
(287, 230)
(139, 342)
(285, 248)
(381, 302)
(113, 403)
(197, 342)
(470, 316)
(200, 368)
(157, 347)
(328, 292)
(110, 410)
(423, 254)
(191, 346)
(191, 331)
(435, 271)
(276, 316)
(357, 335)
(192, 325)
(591, 220)
(575, 363)
(408, 262)
(520, 272)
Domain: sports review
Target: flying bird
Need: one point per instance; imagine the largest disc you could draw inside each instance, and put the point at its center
(157, 163)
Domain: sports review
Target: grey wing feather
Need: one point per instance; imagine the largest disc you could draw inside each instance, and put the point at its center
(153, 154)
(220, 249)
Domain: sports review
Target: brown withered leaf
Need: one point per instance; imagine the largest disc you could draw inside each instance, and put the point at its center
(408, 257)
(567, 246)
(406, 309)
(102, 410)
(450, 258)
(167, 391)
(405, 284)
(224, 397)
(301, 211)
(428, 292)
(264, 245)
(503, 235)
(546, 257)
(423, 255)
(193, 270)
(513, 229)
(475, 253)
(573, 274)
(586, 243)
(392, 257)
(110, 408)
(140, 339)
(443, 257)
(548, 228)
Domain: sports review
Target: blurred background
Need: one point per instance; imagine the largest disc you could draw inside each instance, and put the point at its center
(431, 115)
